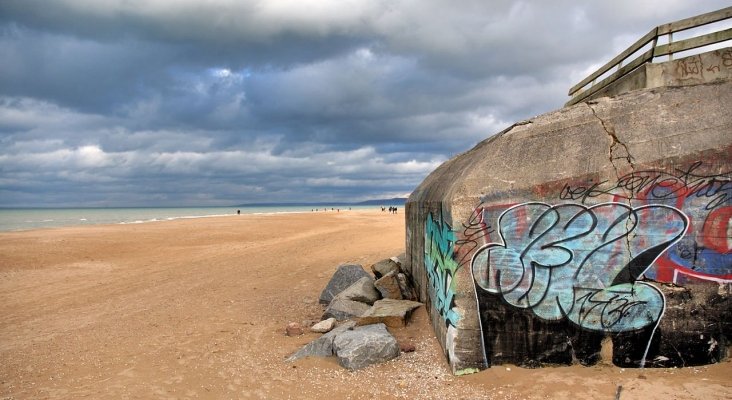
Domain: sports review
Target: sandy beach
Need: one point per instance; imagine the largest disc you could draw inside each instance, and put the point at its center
(198, 308)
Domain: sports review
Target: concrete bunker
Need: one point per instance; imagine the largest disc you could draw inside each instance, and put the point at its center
(606, 221)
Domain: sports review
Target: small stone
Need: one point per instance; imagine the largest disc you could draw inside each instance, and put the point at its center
(407, 347)
(324, 326)
(294, 329)
(308, 323)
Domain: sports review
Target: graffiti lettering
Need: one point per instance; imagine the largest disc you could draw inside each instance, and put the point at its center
(689, 67)
(474, 231)
(580, 263)
(613, 309)
(658, 185)
(439, 243)
(727, 58)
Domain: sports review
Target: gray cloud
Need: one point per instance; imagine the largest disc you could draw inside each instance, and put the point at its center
(189, 103)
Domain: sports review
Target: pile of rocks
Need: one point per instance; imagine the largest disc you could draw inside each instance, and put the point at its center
(359, 309)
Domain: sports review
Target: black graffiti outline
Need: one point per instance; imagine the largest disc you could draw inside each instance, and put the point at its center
(622, 309)
(684, 184)
(629, 273)
(472, 232)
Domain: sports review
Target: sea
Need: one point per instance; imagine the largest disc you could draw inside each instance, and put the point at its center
(19, 219)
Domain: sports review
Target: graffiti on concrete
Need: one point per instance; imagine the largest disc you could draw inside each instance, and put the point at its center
(658, 185)
(705, 252)
(441, 267)
(476, 231)
(703, 67)
(581, 263)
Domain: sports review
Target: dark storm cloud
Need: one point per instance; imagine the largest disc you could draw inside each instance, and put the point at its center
(187, 102)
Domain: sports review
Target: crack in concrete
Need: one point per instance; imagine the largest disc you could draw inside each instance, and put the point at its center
(614, 146)
(610, 131)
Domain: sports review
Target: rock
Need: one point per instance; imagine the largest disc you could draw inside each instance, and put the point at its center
(307, 323)
(383, 267)
(342, 309)
(345, 276)
(322, 346)
(324, 326)
(405, 287)
(388, 286)
(393, 313)
(400, 259)
(294, 329)
(364, 346)
(363, 290)
(407, 347)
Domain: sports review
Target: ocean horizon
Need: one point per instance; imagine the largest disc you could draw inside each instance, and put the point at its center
(21, 219)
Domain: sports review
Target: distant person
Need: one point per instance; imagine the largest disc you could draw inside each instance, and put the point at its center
(238, 212)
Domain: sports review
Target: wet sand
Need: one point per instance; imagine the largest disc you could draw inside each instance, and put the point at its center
(197, 309)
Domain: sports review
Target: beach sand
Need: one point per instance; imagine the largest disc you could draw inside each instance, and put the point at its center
(198, 309)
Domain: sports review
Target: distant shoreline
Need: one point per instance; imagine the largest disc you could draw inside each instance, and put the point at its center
(24, 219)
(397, 201)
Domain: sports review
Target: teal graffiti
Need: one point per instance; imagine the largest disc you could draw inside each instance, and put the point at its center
(582, 263)
(439, 243)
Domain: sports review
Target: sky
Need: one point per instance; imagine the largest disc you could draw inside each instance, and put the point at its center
(108, 103)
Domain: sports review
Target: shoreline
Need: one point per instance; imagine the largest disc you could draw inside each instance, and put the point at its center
(20, 220)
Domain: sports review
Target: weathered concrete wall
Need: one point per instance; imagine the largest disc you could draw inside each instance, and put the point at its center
(607, 219)
(693, 70)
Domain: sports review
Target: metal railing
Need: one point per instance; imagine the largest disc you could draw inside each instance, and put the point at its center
(581, 90)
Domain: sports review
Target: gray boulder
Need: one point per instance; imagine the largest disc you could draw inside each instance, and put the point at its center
(383, 267)
(364, 346)
(345, 276)
(362, 290)
(341, 309)
(322, 346)
(388, 286)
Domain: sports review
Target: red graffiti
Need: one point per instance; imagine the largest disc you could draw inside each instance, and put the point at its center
(715, 233)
